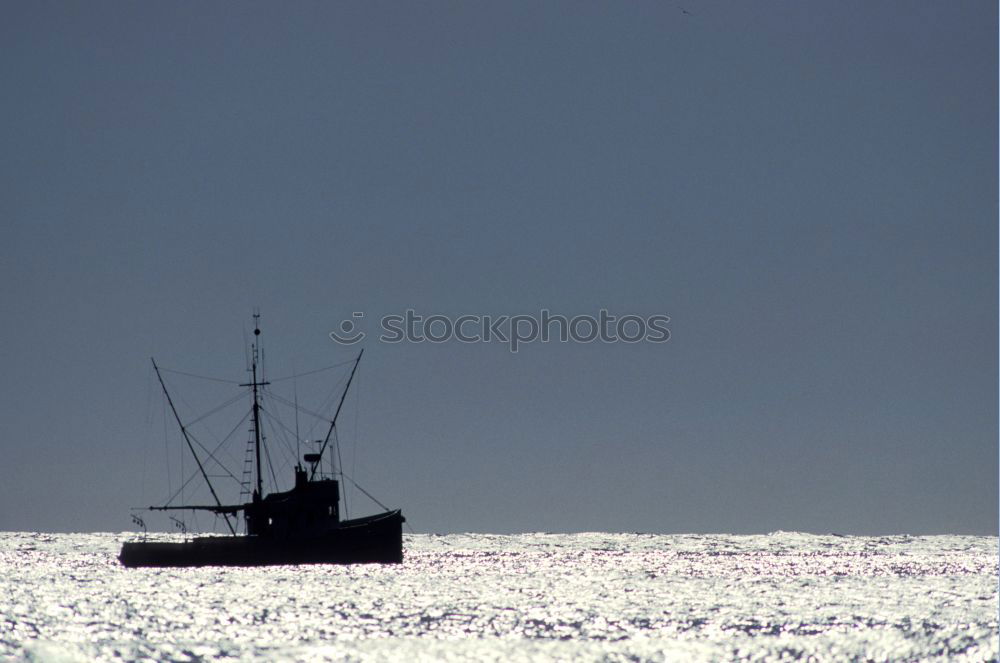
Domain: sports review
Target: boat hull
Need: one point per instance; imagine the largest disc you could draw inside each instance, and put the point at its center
(373, 540)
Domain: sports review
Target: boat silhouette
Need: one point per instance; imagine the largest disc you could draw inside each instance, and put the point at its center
(298, 526)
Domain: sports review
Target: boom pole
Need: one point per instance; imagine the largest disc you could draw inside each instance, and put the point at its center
(337, 413)
(184, 432)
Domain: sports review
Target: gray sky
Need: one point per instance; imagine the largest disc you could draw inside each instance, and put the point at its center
(808, 190)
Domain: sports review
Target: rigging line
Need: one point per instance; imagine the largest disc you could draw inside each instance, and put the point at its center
(340, 464)
(298, 440)
(201, 377)
(219, 441)
(181, 459)
(336, 443)
(326, 405)
(267, 454)
(187, 439)
(297, 408)
(283, 431)
(191, 407)
(210, 412)
(219, 444)
(369, 495)
(229, 401)
(312, 372)
(212, 454)
(178, 491)
(232, 400)
(291, 404)
(276, 420)
(340, 405)
(149, 398)
(195, 474)
(145, 447)
(246, 348)
(357, 434)
(318, 417)
(271, 419)
(231, 432)
(311, 428)
(284, 462)
(166, 447)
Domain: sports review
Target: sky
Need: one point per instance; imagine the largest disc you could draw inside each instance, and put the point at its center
(807, 190)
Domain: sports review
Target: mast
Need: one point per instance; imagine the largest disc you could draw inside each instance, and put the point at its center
(256, 406)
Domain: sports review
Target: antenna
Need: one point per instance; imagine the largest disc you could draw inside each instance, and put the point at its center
(295, 388)
(246, 349)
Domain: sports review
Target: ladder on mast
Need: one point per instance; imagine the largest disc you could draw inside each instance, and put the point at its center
(246, 482)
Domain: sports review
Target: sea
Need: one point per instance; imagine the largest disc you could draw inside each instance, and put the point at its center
(526, 597)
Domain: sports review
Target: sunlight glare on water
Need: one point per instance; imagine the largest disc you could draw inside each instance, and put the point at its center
(587, 596)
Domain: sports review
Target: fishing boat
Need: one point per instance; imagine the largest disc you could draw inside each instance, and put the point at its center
(301, 525)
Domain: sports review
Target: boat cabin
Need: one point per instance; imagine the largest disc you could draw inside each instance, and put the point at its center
(307, 509)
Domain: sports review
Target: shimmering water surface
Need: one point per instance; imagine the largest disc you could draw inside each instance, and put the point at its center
(591, 596)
